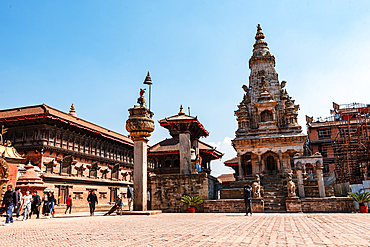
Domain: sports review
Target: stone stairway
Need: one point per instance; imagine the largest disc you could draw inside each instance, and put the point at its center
(274, 193)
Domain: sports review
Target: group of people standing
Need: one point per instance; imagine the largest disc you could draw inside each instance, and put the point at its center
(29, 204)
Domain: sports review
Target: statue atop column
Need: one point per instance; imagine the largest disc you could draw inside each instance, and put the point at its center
(141, 99)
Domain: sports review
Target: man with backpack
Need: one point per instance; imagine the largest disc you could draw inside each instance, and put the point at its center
(10, 202)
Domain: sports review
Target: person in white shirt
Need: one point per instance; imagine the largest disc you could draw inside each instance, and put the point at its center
(26, 204)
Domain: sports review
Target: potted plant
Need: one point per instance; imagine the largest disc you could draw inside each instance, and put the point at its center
(192, 201)
(361, 198)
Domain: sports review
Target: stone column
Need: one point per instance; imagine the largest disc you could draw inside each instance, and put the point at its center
(300, 182)
(320, 180)
(241, 171)
(140, 125)
(280, 162)
(140, 174)
(185, 160)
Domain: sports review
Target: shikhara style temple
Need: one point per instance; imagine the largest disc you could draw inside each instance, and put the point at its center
(74, 156)
(268, 133)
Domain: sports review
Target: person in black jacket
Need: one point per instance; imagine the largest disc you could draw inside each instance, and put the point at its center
(10, 202)
(247, 189)
(92, 199)
(36, 202)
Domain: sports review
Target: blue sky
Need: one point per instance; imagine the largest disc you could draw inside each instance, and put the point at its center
(96, 54)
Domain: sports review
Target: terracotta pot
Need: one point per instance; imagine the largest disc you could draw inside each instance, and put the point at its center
(363, 209)
(192, 209)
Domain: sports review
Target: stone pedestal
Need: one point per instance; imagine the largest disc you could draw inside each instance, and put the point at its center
(185, 159)
(293, 205)
(140, 174)
(258, 205)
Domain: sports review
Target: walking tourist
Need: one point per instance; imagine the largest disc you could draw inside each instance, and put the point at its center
(116, 206)
(45, 207)
(92, 199)
(130, 196)
(19, 194)
(69, 204)
(26, 205)
(36, 202)
(10, 202)
(247, 199)
(52, 202)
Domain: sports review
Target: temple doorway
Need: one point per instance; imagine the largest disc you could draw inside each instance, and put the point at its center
(271, 166)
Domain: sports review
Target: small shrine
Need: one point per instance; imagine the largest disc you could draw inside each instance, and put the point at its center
(178, 155)
(176, 158)
(10, 160)
(30, 180)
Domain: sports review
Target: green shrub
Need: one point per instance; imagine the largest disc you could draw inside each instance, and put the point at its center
(360, 197)
(192, 200)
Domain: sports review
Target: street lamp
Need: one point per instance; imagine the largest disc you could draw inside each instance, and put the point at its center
(148, 81)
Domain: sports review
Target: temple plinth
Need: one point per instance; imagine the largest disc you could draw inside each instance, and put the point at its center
(140, 125)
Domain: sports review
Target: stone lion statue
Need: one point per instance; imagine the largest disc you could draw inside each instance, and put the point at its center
(290, 185)
(256, 187)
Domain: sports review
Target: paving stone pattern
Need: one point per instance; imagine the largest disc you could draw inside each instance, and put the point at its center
(186, 229)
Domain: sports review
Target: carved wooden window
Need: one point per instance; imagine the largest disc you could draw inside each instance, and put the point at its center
(103, 195)
(266, 116)
(80, 172)
(78, 195)
(115, 171)
(94, 170)
(66, 165)
(49, 167)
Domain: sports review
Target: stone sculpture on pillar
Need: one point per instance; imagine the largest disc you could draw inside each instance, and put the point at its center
(256, 187)
(140, 125)
(290, 185)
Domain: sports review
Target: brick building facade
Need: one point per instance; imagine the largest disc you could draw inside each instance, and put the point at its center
(343, 141)
(74, 156)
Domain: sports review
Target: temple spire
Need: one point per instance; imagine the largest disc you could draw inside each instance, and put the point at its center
(259, 34)
(72, 111)
(181, 111)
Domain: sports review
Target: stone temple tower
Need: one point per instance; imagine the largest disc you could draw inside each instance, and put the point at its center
(268, 133)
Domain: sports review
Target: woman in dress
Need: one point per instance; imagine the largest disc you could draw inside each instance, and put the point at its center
(45, 207)
(26, 204)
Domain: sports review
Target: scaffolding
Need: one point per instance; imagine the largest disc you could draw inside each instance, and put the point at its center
(351, 142)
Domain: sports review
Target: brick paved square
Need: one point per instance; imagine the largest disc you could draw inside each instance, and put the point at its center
(191, 230)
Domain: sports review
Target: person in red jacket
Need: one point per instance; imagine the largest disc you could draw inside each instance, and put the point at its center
(69, 204)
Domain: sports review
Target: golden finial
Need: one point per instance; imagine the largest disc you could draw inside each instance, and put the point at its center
(181, 110)
(259, 34)
(72, 107)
